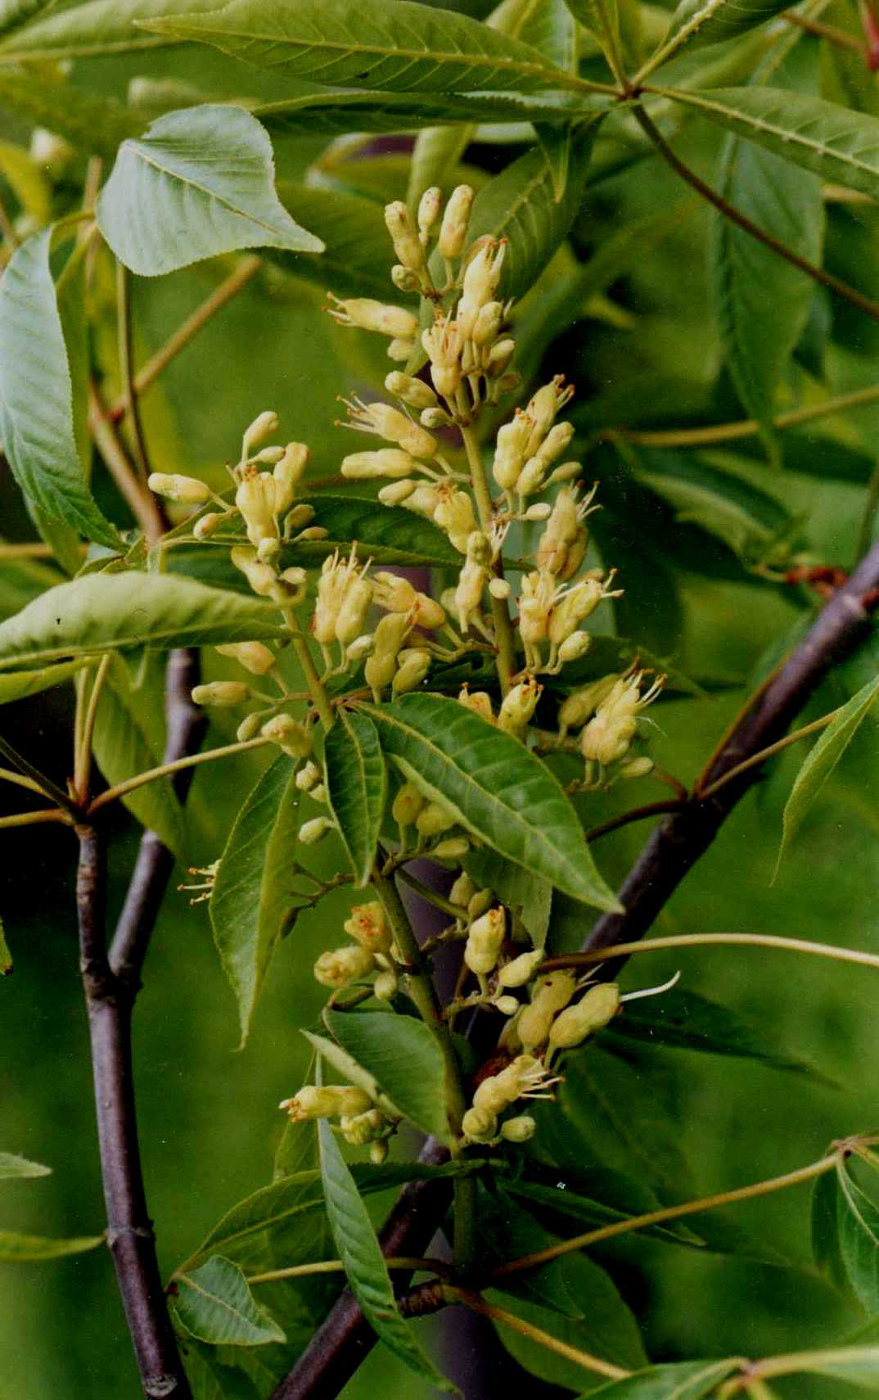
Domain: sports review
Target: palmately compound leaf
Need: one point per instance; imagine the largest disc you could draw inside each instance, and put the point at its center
(36, 396)
(402, 1055)
(197, 183)
(125, 611)
(365, 1266)
(402, 47)
(823, 758)
(682, 1380)
(357, 788)
(215, 1304)
(839, 145)
(252, 902)
(498, 790)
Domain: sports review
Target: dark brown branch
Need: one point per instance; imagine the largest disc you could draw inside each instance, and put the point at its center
(682, 838)
(109, 1003)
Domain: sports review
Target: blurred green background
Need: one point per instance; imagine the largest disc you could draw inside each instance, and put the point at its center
(208, 1117)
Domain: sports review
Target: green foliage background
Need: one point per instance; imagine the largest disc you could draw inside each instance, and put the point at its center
(209, 1125)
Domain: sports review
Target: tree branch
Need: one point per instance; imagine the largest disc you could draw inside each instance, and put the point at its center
(682, 838)
(110, 1003)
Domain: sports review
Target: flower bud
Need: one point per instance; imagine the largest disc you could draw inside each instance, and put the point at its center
(288, 473)
(453, 230)
(403, 279)
(396, 493)
(255, 657)
(578, 707)
(479, 1125)
(541, 510)
(518, 706)
(578, 602)
(294, 581)
(636, 767)
(412, 671)
(389, 637)
(359, 649)
(455, 515)
(453, 849)
(339, 967)
(220, 693)
(385, 985)
(403, 236)
(248, 728)
(521, 969)
(300, 517)
(479, 701)
(311, 832)
(407, 804)
(255, 498)
(443, 344)
(435, 418)
(484, 939)
(329, 1102)
(262, 427)
(481, 279)
(607, 737)
(488, 323)
(389, 461)
(413, 392)
(51, 150)
(429, 209)
(591, 1013)
(575, 646)
(378, 1152)
(291, 737)
(361, 1128)
(308, 775)
(434, 819)
(400, 351)
(372, 315)
(462, 890)
(509, 456)
(499, 588)
(352, 614)
(500, 357)
(520, 1129)
(205, 526)
(507, 1006)
(366, 924)
(479, 902)
(179, 488)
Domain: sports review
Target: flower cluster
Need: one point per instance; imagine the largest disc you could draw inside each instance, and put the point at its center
(361, 1122)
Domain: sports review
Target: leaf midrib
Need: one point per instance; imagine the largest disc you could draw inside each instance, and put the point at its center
(136, 148)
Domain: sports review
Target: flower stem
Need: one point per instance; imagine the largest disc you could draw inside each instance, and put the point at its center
(500, 613)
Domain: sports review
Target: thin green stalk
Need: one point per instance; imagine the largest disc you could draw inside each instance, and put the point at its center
(43, 784)
(500, 613)
(316, 688)
(658, 1217)
(865, 533)
(164, 769)
(335, 1266)
(125, 336)
(82, 760)
(769, 752)
(695, 940)
(475, 1303)
(8, 776)
(51, 814)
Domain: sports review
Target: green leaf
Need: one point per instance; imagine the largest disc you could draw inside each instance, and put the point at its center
(97, 27)
(36, 396)
(252, 903)
(684, 1020)
(364, 1262)
(601, 19)
(357, 255)
(241, 1234)
(5, 955)
(197, 183)
(698, 23)
(845, 1235)
(33, 1249)
(12, 1166)
(26, 179)
(556, 142)
(606, 1327)
(216, 1305)
(203, 1379)
(339, 112)
(364, 43)
(18, 685)
(760, 333)
(385, 534)
(357, 788)
(839, 145)
(402, 1055)
(593, 1213)
(497, 788)
(129, 738)
(527, 895)
(126, 611)
(822, 759)
(520, 206)
(682, 1380)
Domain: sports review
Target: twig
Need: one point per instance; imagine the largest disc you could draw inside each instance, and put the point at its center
(818, 274)
(130, 1237)
(185, 333)
(713, 940)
